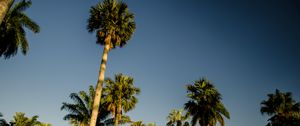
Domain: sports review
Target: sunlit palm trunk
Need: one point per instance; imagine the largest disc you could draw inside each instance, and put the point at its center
(98, 90)
(4, 6)
(118, 115)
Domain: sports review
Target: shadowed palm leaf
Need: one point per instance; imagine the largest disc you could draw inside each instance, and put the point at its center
(80, 110)
(12, 33)
(3, 121)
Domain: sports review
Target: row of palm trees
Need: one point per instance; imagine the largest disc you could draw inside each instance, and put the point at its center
(20, 119)
(203, 108)
(111, 20)
(119, 97)
(114, 26)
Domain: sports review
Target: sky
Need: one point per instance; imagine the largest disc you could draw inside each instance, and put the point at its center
(247, 49)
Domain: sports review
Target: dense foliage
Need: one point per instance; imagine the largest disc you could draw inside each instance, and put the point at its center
(205, 106)
(282, 108)
(12, 32)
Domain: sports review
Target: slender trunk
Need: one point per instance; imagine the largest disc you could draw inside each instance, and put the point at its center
(118, 115)
(4, 7)
(98, 90)
(179, 123)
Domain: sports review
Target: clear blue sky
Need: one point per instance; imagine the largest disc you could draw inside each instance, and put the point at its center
(246, 48)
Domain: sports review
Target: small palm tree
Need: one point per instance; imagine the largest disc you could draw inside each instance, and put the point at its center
(284, 111)
(120, 95)
(81, 109)
(12, 33)
(114, 26)
(176, 117)
(205, 104)
(138, 123)
(21, 120)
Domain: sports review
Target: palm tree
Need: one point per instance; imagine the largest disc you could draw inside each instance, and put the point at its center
(283, 109)
(81, 109)
(21, 120)
(205, 104)
(4, 7)
(176, 116)
(138, 123)
(12, 33)
(114, 26)
(120, 95)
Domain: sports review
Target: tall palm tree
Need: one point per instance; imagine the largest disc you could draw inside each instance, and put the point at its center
(4, 7)
(12, 32)
(205, 104)
(81, 109)
(176, 117)
(120, 95)
(284, 111)
(114, 26)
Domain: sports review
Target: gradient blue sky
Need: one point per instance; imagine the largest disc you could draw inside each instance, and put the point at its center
(246, 48)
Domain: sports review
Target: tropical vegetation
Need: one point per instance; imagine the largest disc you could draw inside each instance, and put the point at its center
(282, 108)
(19, 119)
(114, 26)
(81, 109)
(176, 117)
(12, 32)
(120, 95)
(138, 123)
(204, 105)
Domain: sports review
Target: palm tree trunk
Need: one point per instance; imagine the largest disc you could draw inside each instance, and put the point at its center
(4, 7)
(118, 116)
(179, 123)
(98, 90)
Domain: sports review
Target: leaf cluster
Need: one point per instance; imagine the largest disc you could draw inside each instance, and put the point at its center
(12, 32)
(113, 22)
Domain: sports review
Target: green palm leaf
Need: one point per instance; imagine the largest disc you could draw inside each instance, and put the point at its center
(12, 33)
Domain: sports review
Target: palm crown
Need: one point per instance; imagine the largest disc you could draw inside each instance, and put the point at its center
(205, 104)
(12, 33)
(176, 116)
(120, 95)
(283, 109)
(113, 23)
